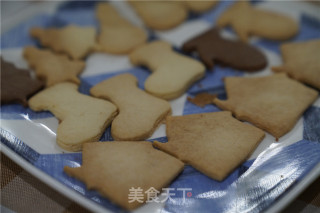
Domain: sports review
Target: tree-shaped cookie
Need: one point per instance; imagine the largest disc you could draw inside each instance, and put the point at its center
(172, 74)
(115, 168)
(213, 143)
(247, 20)
(273, 103)
(17, 85)
(117, 35)
(211, 48)
(72, 40)
(139, 112)
(51, 67)
(302, 61)
(83, 118)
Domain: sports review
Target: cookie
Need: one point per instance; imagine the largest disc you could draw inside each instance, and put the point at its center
(83, 118)
(202, 99)
(117, 35)
(139, 112)
(72, 40)
(212, 48)
(17, 85)
(200, 6)
(161, 15)
(51, 67)
(213, 143)
(173, 73)
(273, 103)
(104, 164)
(247, 20)
(301, 61)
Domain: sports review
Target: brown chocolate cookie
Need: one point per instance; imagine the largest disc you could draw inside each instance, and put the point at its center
(17, 85)
(236, 54)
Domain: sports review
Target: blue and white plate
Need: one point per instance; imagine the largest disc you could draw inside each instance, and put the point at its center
(273, 175)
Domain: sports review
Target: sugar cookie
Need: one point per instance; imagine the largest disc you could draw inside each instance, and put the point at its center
(115, 168)
(139, 112)
(213, 143)
(172, 74)
(83, 118)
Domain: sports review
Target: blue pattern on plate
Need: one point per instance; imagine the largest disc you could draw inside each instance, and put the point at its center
(311, 124)
(19, 112)
(309, 29)
(271, 174)
(213, 79)
(106, 136)
(77, 5)
(19, 36)
(16, 145)
(80, 17)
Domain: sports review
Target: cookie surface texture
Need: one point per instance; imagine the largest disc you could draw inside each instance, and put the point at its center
(213, 143)
(200, 6)
(172, 73)
(72, 40)
(247, 20)
(302, 61)
(83, 118)
(117, 35)
(212, 48)
(51, 67)
(17, 85)
(139, 112)
(273, 103)
(161, 15)
(104, 165)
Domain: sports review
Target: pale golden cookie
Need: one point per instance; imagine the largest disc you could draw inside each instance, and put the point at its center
(247, 20)
(161, 15)
(273, 103)
(51, 67)
(302, 61)
(83, 118)
(117, 35)
(113, 168)
(139, 112)
(173, 73)
(213, 143)
(72, 40)
(200, 6)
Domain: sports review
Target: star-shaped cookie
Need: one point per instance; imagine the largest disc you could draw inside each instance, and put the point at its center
(51, 67)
